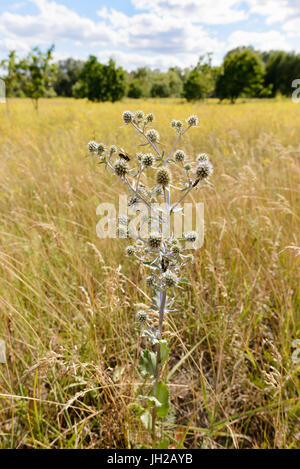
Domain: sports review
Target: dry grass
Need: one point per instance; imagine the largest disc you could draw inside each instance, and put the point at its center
(67, 310)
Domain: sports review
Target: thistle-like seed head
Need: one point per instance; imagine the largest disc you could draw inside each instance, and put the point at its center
(175, 249)
(192, 120)
(148, 160)
(130, 251)
(204, 170)
(155, 240)
(163, 177)
(92, 146)
(202, 157)
(139, 115)
(149, 117)
(128, 117)
(179, 156)
(113, 149)
(191, 236)
(121, 168)
(187, 167)
(152, 135)
(101, 148)
(169, 279)
(142, 316)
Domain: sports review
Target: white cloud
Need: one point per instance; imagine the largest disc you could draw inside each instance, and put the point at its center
(204, 11)
(159, 34)
(263, 41)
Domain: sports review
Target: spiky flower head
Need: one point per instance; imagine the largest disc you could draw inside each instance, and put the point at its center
(92, 146)
(155, 240)
(113, 149)
(204, 170)
(191, 236)
(152, 135)
(139, 115)
(150, 280)
(192, 120)
(121, 168)
(179, 156)
(101, 148)
(202, 157)
(128, 117)
(175, 249)
(148, 159)
(149, 117)
(163, 177)
(177, 125)
(142, 316)
(130, 251)
(169, 279)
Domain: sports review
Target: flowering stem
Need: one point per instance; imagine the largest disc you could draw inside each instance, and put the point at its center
(163, 299)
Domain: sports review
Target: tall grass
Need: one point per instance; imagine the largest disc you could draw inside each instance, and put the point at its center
(67, 308)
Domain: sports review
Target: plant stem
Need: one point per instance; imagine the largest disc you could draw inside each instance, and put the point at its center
(163, 298)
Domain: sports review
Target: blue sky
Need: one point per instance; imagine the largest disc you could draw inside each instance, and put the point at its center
(156, 33)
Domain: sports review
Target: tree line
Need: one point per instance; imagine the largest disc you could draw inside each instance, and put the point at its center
(244, 72)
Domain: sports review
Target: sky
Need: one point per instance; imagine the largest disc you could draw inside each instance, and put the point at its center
(154, 33)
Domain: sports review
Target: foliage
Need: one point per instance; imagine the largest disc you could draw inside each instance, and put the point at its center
(242, 74)
(99, 82)
(39, 74)
(200, 82)
(67, 75)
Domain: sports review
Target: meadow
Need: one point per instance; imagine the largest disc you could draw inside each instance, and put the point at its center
(68, 299)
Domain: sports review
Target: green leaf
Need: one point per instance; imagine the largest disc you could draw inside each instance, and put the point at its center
(135, 409)
(162, 395)
(184, 280)
(164, 351)
(148, 362)
(164, 444)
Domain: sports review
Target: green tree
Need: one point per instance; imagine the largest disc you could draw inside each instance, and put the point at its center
(281, 69)
(14, 76)
(67, 75)
(135, 90)
(40, 74)
(242, 74)
(200, 82)
(99, 82)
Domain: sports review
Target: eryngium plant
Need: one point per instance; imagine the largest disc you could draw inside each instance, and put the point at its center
(150, 178)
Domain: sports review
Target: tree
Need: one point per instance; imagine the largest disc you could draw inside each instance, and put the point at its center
(281, 69)
(68, 72)
(40, 74)
(200, 82)
(13, 78)
(243, 72)
(135, 90)
(99, 82)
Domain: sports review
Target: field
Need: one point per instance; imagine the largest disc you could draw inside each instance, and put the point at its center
(68, 299)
